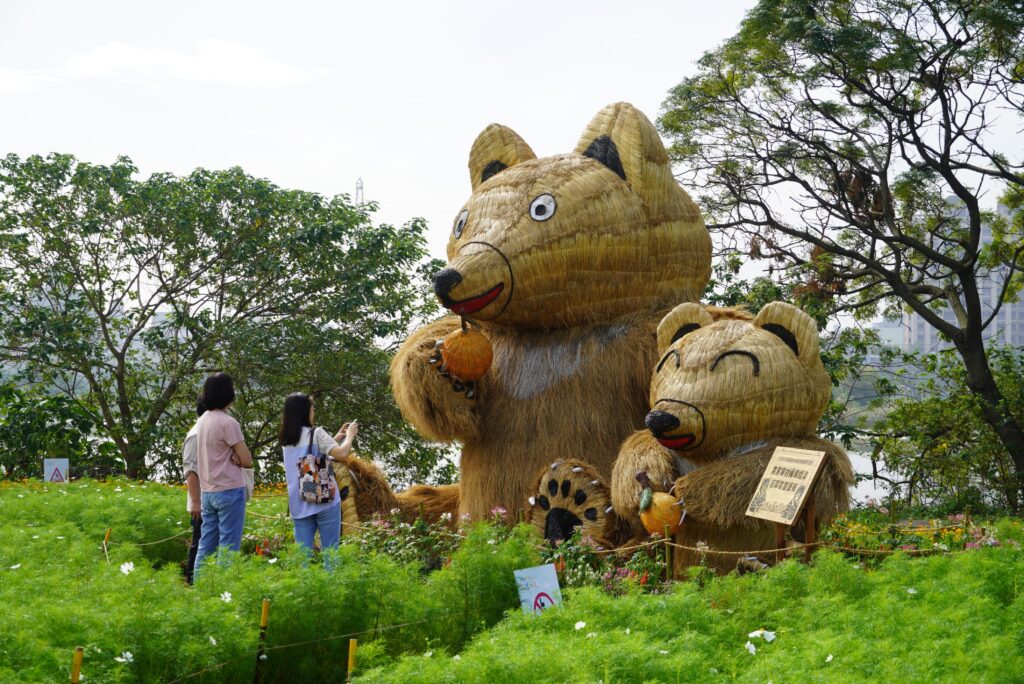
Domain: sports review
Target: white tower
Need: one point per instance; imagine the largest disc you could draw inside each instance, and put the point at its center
(359, 193)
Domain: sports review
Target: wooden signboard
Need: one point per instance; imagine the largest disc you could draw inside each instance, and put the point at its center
(784, 492)
(787, 480)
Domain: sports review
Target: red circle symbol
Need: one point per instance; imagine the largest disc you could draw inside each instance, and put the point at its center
(542, 601)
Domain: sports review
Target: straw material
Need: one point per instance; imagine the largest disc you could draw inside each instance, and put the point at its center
(430, 502)
(740, 386)
(641, 451)
(717, 496)
(571, 494)
(495, 149)
(583, 253)
(741, 381)
(369, 494)
(606, 246)
(569, 393)
(349, 512)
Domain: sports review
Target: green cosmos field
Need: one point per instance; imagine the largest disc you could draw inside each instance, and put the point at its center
(955, 616)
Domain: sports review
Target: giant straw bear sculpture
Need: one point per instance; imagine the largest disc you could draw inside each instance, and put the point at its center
(566, 264)
(729, 388)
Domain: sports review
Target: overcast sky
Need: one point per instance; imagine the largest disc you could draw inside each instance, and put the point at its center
(316, 95)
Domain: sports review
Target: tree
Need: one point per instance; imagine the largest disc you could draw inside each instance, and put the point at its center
(35, 425)
(851, 143)
(938, 448)
(121, 294)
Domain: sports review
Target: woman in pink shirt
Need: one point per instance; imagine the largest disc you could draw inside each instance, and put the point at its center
(221, 455)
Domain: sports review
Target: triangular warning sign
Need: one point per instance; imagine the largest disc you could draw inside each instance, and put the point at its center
(56, 475)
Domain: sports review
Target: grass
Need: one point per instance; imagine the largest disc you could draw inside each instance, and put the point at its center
(946, 617)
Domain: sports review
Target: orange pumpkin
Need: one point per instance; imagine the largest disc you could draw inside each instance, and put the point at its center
(663, 510)
(658, 509)
(466, 354)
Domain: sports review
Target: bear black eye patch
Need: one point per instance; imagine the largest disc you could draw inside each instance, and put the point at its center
(739, 352)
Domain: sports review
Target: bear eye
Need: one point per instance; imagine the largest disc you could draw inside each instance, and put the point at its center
(542, 207)
(460, 222)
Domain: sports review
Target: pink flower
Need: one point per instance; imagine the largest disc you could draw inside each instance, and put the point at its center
(498, 511)
(971, 545)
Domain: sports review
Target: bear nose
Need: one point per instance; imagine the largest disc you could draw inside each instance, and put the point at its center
(445, 280)
(660, 422)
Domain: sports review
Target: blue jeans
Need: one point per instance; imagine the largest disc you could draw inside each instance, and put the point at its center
(223, 520)
(328, 521)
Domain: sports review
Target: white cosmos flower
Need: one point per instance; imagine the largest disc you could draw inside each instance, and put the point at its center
(213, 642)
(580, 625)
(751, 648)
(226, 597)
(829, 659)
(127, 567)
(272, 561)
(15, 566)
(911, 590)
(125, 657)
(428, 654)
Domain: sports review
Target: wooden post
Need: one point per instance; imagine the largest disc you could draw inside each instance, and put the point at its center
(780, 542)
(261, 654)
(668, 557)
(811, 530)
(106, 540)
(76, 665)
(351, 659)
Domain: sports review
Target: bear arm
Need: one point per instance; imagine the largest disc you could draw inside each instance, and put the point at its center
(720, 492)
(373, 495)
(639, 452)
(428, 502)
(425, 397)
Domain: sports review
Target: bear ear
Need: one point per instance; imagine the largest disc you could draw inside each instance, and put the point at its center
(494, 150)
(792, 326)
(624, 140)
(680, 321)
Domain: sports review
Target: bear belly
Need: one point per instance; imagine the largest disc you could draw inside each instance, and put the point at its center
(570, 394)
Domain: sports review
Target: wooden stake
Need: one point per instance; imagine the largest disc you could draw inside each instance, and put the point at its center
(76, 662)
(351, 659)
(106, 540)
(261, 655)
(811, 532)
(668, 557)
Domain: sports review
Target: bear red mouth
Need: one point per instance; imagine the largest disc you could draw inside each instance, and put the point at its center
(680, 442)
(474, 304)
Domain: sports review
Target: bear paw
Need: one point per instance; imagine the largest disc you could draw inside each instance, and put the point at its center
(570, 494)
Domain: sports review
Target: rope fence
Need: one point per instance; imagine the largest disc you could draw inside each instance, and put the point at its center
(794, 548)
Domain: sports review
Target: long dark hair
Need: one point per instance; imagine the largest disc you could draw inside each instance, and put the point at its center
(296, 417)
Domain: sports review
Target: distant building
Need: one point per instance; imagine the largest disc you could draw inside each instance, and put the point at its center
(1006, 328)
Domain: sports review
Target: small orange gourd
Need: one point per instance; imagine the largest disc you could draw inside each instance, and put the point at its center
(658, 510)
(466, 354)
